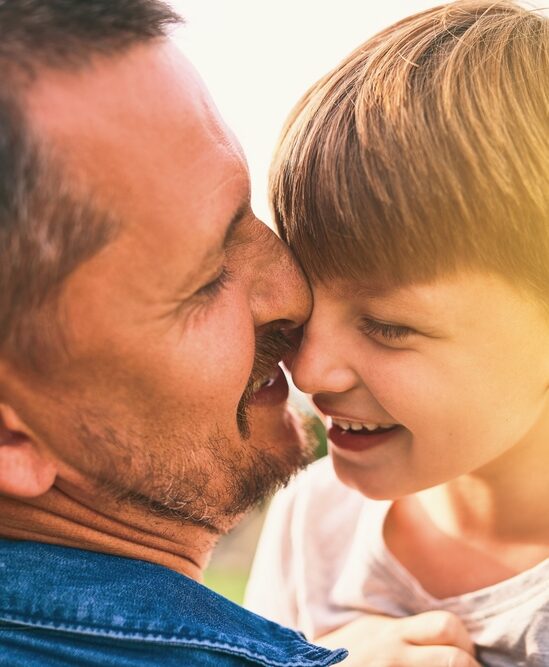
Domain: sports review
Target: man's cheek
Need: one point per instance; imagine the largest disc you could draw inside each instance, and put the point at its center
(225, 354)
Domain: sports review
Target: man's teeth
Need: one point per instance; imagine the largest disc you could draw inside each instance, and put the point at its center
(359, 426)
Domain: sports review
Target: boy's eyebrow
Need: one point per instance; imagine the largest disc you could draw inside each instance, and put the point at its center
(383, 295)
(372, 291)
(413, 310)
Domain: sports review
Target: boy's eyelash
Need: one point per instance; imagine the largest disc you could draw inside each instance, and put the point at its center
(387, 331)
(215, 286)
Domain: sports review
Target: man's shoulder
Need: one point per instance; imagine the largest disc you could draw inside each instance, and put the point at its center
(86, 607)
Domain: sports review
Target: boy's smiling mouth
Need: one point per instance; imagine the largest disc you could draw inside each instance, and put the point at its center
(356, 426)
(358, 436)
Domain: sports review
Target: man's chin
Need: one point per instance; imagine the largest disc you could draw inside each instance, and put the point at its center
(228, 476)
(278, 447)
(282, 432)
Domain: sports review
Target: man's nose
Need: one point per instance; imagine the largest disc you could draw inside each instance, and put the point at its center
(281, 292)
(322, 364)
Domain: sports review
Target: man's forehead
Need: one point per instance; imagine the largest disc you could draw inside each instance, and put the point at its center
(152, 88)
(142, 135)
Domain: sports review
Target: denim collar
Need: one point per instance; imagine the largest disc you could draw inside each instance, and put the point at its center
(87, 593)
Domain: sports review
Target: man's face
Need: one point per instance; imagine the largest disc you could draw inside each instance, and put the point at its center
(161, 325)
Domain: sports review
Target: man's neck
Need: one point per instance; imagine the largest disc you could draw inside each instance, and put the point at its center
(69, 517)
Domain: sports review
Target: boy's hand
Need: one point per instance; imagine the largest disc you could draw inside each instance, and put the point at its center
(432, 639)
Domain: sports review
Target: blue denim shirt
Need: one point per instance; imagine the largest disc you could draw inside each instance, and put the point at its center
(61, 606)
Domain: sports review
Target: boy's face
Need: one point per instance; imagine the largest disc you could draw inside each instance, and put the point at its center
(460, 367)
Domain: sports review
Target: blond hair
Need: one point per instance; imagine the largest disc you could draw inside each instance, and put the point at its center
(426, 150)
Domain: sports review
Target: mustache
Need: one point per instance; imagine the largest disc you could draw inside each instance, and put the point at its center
(269, 350)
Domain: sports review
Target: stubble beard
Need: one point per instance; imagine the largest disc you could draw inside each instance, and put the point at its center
(212, 489)
(217, 482)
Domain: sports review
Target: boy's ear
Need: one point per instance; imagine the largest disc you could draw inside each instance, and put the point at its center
(25, 469)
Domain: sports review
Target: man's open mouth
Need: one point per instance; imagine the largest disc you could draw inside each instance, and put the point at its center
(268, 385)
(264, 382)
(271, 389)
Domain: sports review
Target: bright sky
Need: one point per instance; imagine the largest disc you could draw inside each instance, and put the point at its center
(259, 56)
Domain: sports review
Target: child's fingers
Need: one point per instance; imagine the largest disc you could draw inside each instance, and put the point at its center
(436, 628)
(437, 656)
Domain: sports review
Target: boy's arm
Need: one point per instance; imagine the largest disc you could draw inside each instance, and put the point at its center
(431, 639)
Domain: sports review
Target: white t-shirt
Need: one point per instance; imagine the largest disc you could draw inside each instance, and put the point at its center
(322, 561)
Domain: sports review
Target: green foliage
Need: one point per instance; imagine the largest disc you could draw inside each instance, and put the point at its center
(229, 583)
(320, 433)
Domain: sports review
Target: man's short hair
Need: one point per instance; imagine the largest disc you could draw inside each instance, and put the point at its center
(426, 150)
(46, 230)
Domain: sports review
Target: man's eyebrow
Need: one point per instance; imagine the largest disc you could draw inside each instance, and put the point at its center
(212, 255)
(236, 219)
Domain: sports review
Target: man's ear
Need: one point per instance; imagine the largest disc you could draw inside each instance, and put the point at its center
(25, 469)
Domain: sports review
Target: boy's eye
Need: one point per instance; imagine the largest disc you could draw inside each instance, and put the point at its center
(389, 332)
(215, 286)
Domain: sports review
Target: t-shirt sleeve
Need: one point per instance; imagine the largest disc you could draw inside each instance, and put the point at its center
(271, 590)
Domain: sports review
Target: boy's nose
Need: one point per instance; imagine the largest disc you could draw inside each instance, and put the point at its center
(320, 366)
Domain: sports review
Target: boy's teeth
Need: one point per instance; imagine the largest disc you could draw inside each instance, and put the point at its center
(358, 426)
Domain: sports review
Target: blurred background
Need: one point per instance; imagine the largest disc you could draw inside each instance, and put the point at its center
(257, 58)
